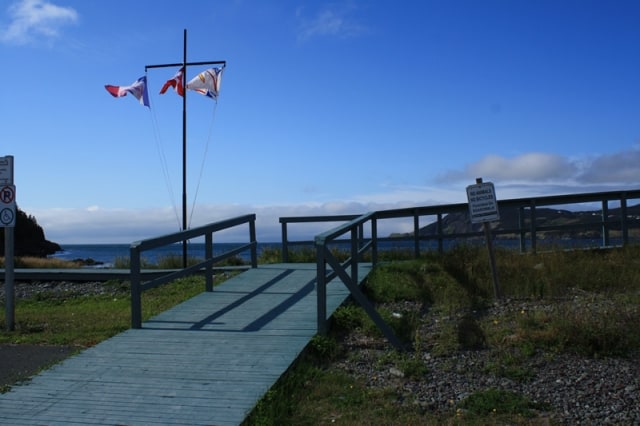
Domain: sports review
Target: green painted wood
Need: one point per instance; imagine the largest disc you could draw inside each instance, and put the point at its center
(207, 361)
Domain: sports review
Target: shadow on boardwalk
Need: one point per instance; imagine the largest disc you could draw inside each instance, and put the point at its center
(206, 361)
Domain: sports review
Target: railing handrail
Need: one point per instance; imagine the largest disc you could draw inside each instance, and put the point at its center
(341, 229)
(525, 204)
(328, 268)
(137, 287)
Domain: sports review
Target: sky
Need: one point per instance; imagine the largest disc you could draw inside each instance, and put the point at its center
(341, 107)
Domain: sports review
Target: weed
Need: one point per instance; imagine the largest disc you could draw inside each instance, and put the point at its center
(496, 401)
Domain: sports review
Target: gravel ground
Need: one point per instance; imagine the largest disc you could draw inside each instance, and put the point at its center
(578, 390)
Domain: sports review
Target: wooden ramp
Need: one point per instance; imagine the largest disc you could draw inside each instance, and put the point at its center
(207, 361)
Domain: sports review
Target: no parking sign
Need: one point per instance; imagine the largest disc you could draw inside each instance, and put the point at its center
(8, 206)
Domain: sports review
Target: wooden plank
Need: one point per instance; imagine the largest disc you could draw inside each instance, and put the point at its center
(206, 361)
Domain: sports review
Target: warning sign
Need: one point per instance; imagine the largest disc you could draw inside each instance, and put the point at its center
(6, 170)
(483, 206)
(8, 206)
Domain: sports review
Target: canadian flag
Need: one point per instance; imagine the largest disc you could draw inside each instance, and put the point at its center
(175, 82)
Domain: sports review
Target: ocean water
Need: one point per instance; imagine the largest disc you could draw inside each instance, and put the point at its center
(108, 253)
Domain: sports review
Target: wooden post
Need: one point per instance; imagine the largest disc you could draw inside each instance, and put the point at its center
(492, 260)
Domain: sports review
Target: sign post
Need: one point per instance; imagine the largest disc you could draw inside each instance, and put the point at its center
(8, 221)
(483, 208)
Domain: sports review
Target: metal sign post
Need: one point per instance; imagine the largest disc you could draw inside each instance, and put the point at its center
(483, 208)
(8, 220)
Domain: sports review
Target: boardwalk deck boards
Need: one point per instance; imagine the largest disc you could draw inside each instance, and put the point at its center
(206, 361)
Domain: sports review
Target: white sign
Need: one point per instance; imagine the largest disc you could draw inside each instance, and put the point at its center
(483, 206)
(8, 206)
(6, 170)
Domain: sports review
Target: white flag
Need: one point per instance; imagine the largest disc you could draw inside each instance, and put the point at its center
(207, 83)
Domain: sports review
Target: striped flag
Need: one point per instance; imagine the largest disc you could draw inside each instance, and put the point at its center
(207, 83)
(138, 89)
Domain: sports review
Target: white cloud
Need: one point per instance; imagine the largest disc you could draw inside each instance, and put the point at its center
(615, 169)
(334, 20)
(533, 166)
(528, 175)
(619, 167)
(101, 226)
(33, 20)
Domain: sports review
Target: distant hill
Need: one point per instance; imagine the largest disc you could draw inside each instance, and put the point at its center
(459, 223)
(29, 238)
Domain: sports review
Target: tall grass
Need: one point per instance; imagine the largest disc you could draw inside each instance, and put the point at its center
(584, 302)
(41, 262)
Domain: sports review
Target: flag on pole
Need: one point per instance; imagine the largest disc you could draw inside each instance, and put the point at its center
(138, 89)
(175, 82)
(207, 83)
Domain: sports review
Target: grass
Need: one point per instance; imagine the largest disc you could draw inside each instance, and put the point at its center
(41, 262)
(583, 302)
(69, 319)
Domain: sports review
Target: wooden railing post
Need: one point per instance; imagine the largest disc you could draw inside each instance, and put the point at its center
(533, 227)
(374, 241)
(439, 233)
(208, 254)
(605, 224)
(521, 221)
(624, 226)
(416, 235)
(252, 241)
(285, 244)
(354, 254)
(136, 299)
(321, 288)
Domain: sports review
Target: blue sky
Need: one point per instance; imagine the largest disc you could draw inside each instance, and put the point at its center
(325, 107)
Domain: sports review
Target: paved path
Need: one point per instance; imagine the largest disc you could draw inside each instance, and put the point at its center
(207, 361)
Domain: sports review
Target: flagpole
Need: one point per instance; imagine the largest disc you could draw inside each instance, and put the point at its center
(184, 149)
(184, 64)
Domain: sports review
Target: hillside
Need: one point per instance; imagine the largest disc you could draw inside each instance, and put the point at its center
(458, 223)
(29, 238)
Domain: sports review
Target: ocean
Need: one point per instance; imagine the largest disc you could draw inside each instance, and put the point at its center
(106, 254)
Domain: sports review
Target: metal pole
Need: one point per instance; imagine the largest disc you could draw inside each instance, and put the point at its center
(9, 272)
(184, 64)
(184, 149)
(9, 276)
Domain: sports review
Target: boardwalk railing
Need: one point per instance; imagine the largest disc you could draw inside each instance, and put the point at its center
(329, 267)
(137, 248)
(528, 229)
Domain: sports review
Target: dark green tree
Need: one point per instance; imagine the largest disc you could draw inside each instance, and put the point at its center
(29, 238)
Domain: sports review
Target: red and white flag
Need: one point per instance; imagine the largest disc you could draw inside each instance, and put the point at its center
(175, 82)
(138, 89)
(207, 83)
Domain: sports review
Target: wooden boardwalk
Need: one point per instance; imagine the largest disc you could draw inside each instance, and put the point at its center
(207, 361)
